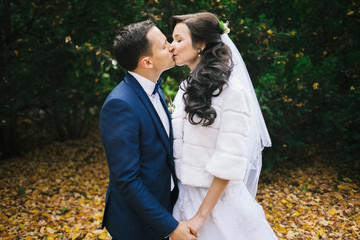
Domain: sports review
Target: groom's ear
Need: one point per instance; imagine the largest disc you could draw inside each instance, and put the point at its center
(145, 62)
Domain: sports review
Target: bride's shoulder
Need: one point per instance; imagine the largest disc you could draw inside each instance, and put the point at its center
(234, 89)
(180, 93)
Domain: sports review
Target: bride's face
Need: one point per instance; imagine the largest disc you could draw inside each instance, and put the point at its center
(184, 52)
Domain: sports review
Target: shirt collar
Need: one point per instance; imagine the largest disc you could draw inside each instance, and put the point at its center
(145, 83)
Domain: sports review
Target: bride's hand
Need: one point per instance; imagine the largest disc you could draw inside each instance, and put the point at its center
(196, 222)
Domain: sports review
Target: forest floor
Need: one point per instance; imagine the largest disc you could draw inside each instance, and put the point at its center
(58, 192)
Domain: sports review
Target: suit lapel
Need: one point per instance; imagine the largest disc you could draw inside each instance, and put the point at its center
(171, 162)
(134, 84)
(163, 102)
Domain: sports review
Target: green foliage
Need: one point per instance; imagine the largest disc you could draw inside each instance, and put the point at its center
(170, 88)
(303, 58)
(307, 79)
(56, 65)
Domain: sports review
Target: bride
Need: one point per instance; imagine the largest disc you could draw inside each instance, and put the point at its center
(219, 133)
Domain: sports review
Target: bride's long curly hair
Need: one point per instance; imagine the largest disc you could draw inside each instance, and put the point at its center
(207, 80)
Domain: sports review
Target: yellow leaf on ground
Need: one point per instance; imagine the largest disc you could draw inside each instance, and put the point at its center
(290, 235)
(75, 236)
(321, 232)
(306, 226)
(50, 230)
(89, 236)
(76, 229)
(289, 205)
(342, 187)
(98, 231)
(324, 223)
(103, 235)
(332, 211)
(295, 214)
(99, 217)
(281, 228)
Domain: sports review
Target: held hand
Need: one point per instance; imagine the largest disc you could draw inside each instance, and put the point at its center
(184, 232)
(196, 222)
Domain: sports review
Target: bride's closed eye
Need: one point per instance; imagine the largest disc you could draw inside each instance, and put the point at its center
(177, 39)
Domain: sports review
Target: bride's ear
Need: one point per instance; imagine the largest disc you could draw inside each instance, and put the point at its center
(201, 46)
(145, 62)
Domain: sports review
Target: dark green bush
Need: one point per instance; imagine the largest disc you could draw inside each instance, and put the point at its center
(303, 58)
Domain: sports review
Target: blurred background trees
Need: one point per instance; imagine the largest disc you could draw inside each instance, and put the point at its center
(303, 57)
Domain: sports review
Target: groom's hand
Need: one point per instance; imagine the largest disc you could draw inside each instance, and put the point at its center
(184, 232)
(196, 222)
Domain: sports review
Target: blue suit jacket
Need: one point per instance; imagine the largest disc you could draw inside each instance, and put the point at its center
(139, 155)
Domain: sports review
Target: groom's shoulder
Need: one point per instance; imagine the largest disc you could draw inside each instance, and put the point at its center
(120, 91)
(121, 96)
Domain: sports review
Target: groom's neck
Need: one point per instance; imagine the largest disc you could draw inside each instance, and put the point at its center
(148, 74)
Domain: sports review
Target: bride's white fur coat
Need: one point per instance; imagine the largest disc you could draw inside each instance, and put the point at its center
(218, 150)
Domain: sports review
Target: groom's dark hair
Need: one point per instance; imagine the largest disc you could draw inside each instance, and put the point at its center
(131, 43)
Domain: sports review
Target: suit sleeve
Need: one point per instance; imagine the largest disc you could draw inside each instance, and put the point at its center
(120, 128)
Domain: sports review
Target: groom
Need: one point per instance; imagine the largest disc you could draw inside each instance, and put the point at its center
(136, 132)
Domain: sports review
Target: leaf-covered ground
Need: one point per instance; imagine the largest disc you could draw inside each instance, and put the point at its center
(58, 192)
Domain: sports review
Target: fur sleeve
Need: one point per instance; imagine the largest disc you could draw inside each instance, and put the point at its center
(230, 157)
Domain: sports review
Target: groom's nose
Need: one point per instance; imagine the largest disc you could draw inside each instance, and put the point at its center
(171, 48)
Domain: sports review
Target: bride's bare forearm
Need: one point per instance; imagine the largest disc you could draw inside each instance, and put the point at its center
(213, 195)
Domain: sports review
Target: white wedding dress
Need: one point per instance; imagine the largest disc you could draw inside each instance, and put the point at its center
(236, 216)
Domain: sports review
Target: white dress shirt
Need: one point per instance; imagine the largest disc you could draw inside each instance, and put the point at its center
(148, 87)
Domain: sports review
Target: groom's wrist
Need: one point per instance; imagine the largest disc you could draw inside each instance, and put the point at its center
(172, 231)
